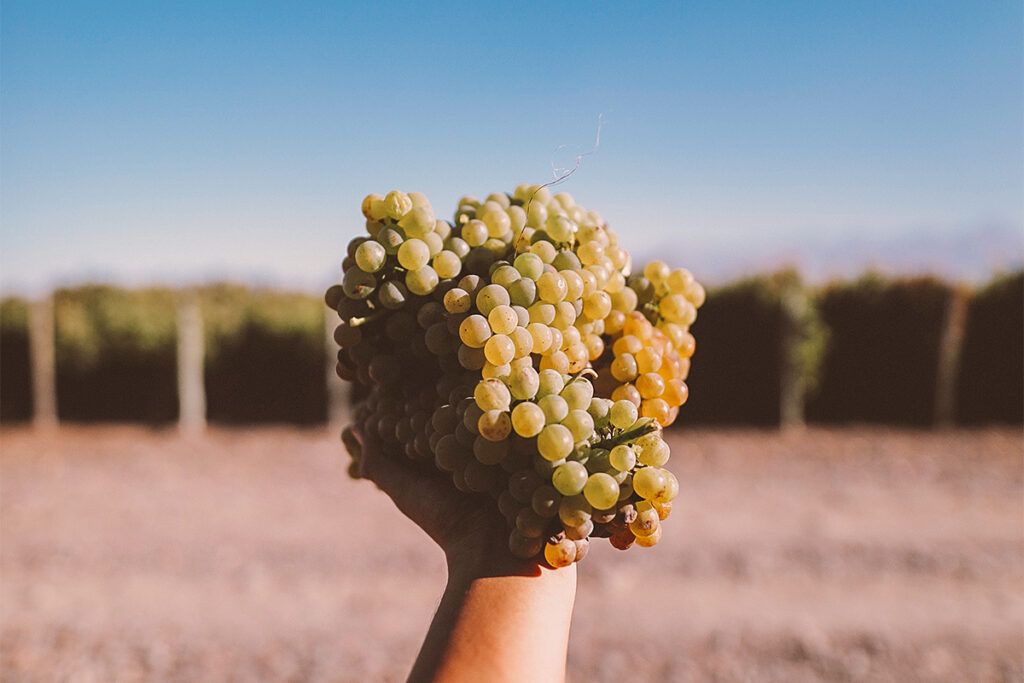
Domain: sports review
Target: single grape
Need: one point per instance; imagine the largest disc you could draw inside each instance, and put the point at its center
(560, 554)
(554, 442)
(528, 419)
(601, 490)
(623, 414)
(622, 458)
(569, 479)
(648, 482)
(494, 425)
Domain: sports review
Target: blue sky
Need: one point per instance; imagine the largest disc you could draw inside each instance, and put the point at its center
(176, 142)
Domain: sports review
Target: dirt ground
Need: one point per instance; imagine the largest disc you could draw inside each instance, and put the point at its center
(856, 554)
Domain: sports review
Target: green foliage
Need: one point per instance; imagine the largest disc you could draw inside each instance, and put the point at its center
(93, 321)
(228, 309)
(13, 315)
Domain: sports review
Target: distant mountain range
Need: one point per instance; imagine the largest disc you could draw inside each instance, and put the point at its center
(968, 255)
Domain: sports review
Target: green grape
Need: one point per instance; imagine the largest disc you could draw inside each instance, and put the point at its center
(523, 383)
(551, 382)
(529, 265)
(560, 554)
(392, 295)
(560, 228)
(655, 454)
(503, 319)
(397, 204)
(370, 256)
(597, 305)
(545, 501)
(599, 409)
(505, 275)
(522, 314)
(541, 312)
(491, 371)
(565, 316)
(524, 546)
(623, 414)
(578, 394)
(573, 284)
(517, 218)
(470, 358)
(421, 281)
(458, 246)
(578, 533)
(357, 283)
(491, 296)
(671, 490)
(565, 261)
(489, 452)
(479, 477)
(574, 510)
(541, 335)
(474, 233)
(652, 539)
(494, 425)
(554, 442)
(447, 264)
(529, 523)
(580, 424)
(497, 222)
(527, 419)
(622, 458)
(646, 522)
(413, 254)
(569, 479)
(648, 482)
(499, 349)
(555, 408)
(447, 453)
(551, 287)
(492, 394)
(474, 331)
(522, 340)
(601, 490)
(523, 292)
(457, 300)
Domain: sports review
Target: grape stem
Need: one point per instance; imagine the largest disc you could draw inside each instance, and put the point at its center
(627, 436)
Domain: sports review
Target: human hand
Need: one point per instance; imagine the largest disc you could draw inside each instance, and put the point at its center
(467, 527)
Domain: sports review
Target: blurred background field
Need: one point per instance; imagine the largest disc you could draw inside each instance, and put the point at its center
(830, 554)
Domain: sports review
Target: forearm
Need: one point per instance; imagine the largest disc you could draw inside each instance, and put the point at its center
(499, 626)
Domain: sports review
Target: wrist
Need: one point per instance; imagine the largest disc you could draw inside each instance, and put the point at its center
(489, 558)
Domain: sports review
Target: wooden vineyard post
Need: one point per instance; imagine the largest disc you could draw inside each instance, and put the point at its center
(43, 359)
(191, 389)
(337, 391)
(794, 304)
(950, 345)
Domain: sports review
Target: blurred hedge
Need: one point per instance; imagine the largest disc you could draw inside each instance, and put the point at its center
(750, 334)
(116, 354)
(15, 377)
(265, 356)
(990, 386)
(882, 360)
(870, 347)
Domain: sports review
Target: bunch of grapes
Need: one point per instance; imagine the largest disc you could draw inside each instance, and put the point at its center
(513, 349)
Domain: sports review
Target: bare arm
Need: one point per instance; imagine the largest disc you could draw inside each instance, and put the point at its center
(500, 618)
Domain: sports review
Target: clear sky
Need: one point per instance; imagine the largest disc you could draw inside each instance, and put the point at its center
(170, 142)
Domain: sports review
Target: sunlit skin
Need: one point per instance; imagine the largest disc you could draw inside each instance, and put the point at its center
(500, 618)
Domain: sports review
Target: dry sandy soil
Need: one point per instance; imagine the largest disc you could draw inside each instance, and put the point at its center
(855, 554)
